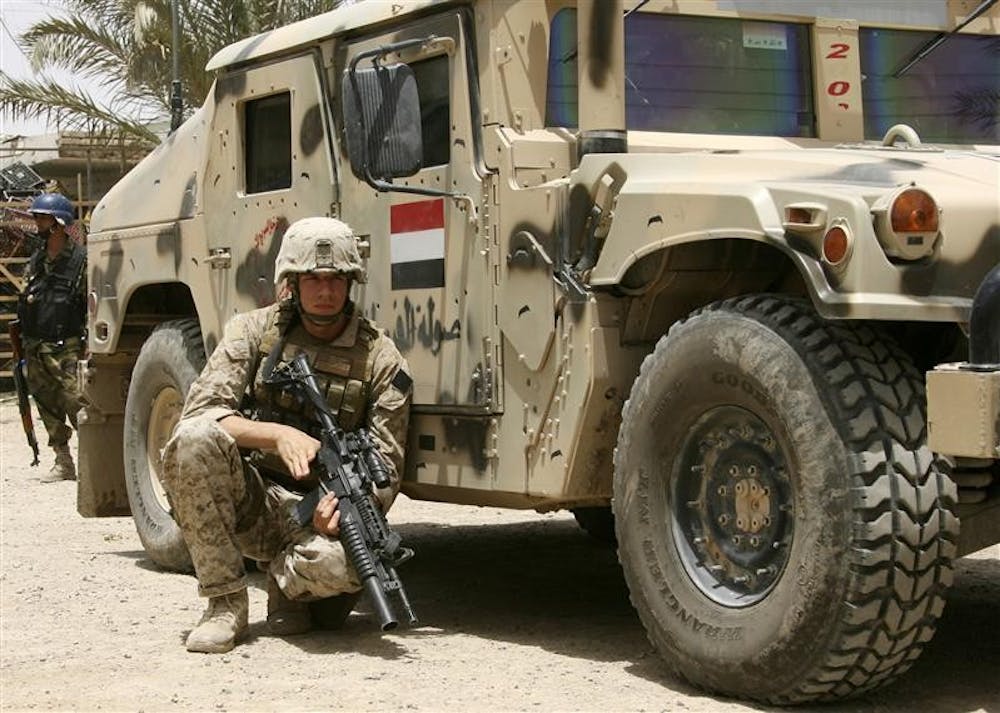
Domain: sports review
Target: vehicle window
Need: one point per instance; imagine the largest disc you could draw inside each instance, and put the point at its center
(268, 143)
(697, 74)
(951, 95)
(433, 85)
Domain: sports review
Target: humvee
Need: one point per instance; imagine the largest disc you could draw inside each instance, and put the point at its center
(670, 266)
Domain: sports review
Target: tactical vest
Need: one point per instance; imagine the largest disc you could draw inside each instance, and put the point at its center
(51, 308)
(344, 376)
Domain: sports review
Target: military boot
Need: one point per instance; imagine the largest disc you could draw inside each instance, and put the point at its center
(285, 617)
(223, 622)
(331, 613)
(62, 468)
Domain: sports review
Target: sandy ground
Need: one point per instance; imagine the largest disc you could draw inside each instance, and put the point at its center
(519, 612)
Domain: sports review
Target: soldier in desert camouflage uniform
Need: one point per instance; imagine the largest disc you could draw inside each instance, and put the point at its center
(232, 479)
(52, 312)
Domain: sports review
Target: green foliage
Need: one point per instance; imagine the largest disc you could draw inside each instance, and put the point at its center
(125, 46)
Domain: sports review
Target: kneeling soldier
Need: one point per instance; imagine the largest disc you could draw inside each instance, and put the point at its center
(239, 458)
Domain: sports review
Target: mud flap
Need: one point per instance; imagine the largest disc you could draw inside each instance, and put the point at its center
(101, 486)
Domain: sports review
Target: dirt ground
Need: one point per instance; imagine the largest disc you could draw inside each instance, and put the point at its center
(519, 612)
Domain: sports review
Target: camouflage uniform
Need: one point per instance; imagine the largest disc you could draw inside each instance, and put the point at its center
(224, 506)
(51, 375)
(51, 364)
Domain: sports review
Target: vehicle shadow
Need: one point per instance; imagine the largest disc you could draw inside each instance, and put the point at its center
(550, 585)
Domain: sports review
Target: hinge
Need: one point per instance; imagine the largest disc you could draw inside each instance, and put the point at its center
(220, 258)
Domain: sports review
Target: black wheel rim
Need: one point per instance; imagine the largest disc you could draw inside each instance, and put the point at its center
(731, 506)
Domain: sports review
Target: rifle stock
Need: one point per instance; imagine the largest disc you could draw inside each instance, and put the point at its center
(21, 386)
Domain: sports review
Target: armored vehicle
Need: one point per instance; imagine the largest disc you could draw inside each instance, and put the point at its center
(679, 273)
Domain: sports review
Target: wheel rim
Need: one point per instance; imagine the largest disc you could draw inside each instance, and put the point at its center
(164, 414)
(731, 507)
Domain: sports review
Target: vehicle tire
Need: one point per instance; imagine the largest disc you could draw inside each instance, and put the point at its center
(784, 531)
(168, 363)
(598, 522)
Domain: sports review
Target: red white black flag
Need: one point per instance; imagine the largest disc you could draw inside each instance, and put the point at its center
(416, 244)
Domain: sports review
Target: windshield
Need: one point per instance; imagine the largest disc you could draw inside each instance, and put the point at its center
(952, 95)
(697, 74)
(726, 75)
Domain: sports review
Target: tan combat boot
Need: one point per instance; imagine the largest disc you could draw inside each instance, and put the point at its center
(223, 622)
(62, 468)
(285, 617)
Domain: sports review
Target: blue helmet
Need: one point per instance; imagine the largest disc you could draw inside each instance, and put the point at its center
(55, 204)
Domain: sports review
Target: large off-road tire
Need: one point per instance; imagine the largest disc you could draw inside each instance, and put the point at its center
(784, 531)
(168, 363)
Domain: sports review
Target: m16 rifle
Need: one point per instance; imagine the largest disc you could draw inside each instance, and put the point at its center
(21, 386)
(349, 465)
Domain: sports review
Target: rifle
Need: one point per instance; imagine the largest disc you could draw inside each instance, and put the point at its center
(21, 386)
(349, 465)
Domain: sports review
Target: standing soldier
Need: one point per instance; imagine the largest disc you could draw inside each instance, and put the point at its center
(240, 457)
(52, 312)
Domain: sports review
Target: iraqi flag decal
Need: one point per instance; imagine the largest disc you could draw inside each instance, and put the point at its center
(416, 244)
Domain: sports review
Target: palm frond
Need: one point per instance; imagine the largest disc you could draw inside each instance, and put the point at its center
(71, 109)
(980, 108)
(76, 45)
(126, 45)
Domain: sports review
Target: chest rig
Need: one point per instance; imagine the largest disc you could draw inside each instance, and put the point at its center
(51, 308)
(343, 374)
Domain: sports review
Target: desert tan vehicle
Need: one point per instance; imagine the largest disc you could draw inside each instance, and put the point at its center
(665, 261)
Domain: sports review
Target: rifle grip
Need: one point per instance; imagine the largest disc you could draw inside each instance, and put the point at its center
(304, 508)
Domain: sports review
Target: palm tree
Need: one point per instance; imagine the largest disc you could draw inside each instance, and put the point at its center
(125, 46)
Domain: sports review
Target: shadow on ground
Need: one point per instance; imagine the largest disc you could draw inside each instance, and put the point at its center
(547, 584)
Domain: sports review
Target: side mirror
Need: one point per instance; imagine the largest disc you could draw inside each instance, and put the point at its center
(382, 122)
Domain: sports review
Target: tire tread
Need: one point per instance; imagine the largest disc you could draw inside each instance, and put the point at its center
(905, 528)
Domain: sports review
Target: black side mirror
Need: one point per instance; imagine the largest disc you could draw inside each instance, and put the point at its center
(382, 122)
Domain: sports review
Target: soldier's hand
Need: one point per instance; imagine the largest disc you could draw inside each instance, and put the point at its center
(297, 449)
(326, 516)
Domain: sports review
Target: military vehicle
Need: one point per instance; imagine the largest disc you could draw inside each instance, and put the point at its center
(677, 267)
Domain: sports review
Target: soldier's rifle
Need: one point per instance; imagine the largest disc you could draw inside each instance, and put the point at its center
(349, 466)
(21, 386)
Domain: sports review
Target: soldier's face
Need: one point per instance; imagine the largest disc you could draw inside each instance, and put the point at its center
(44, 223)
(323, 294)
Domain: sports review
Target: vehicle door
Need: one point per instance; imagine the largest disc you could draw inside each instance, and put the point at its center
(430, 265)
(269, 164)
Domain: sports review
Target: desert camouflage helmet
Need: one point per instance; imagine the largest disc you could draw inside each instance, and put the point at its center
(319, 245)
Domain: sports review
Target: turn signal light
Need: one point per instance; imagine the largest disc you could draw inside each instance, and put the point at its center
(92, 302)
(836, 245)
(907, 223)
(914, 211)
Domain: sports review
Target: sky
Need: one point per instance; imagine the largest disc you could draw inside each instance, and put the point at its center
(15, 17)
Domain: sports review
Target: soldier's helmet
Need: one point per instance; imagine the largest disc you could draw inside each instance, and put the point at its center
(55, 204)
(319, 245)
